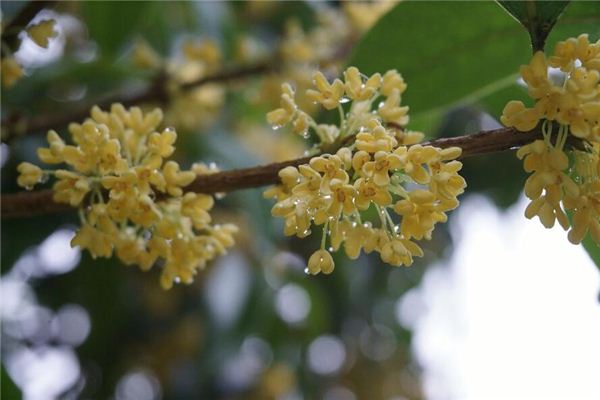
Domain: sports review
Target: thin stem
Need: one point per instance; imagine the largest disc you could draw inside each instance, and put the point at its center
(324, 237)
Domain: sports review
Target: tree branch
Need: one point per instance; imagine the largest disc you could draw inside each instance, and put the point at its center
(26, 204)
(16, 125)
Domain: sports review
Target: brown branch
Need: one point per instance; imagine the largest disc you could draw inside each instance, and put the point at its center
(17, 125)
(25, 204)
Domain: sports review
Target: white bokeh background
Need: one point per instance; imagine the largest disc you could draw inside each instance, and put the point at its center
(513, 314)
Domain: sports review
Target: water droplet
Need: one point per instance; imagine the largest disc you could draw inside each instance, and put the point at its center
(306, 153)
(220, 195)
(354, 224)
(177, 279)
(306, 135)
(169, 129)
(306, 271)
(277, 127)
(330, 248)
(344, 100)
(28, 187)
(44, 178)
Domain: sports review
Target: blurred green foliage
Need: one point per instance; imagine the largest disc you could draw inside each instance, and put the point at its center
(460, 61)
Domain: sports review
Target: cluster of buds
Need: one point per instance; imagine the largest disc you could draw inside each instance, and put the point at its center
(572, 106)
(130, 200)
(190, 107)
(384, 172)
(40, 33)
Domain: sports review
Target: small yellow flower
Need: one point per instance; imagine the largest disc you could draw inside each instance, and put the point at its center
(143, 56)
(284, 114)
(535, 75)
(99, 244)
(399, 252)
(419, 213)
(392, 81)
(517, 115)
(162, 143)
(376, 139)
(196, 206)
(206, 51)
(10, 71)
(356, 89)
(70, 188)
(320, 261)
(390, 110)
(342, 199)
(369, 191)
(380, 168)
(29, 175)
(175, 178)
(329, 95)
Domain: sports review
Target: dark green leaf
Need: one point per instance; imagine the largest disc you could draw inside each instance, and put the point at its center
(538, 17)
(111, 24)
(592, 249)
(448, 53)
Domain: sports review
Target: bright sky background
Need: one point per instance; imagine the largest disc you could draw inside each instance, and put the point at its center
(513, 314)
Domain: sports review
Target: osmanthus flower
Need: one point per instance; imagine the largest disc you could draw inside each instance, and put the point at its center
(191, 107)
(368, 171)
(562, 183)
(10, 71)
(130, 197)
(41, 33)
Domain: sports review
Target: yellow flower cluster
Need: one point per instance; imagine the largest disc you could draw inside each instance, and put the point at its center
(301, 51)
(40, 33)
(340, 191)
(130, 198)
(556, 185)
(190, 108)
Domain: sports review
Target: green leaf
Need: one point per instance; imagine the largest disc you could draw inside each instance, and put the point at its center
(538, 17)
(111, 24)
(578, 18)
(592, 249)
(449, 53)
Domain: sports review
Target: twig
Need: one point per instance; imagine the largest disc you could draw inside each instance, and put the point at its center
(25, 204)
(15, 125)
